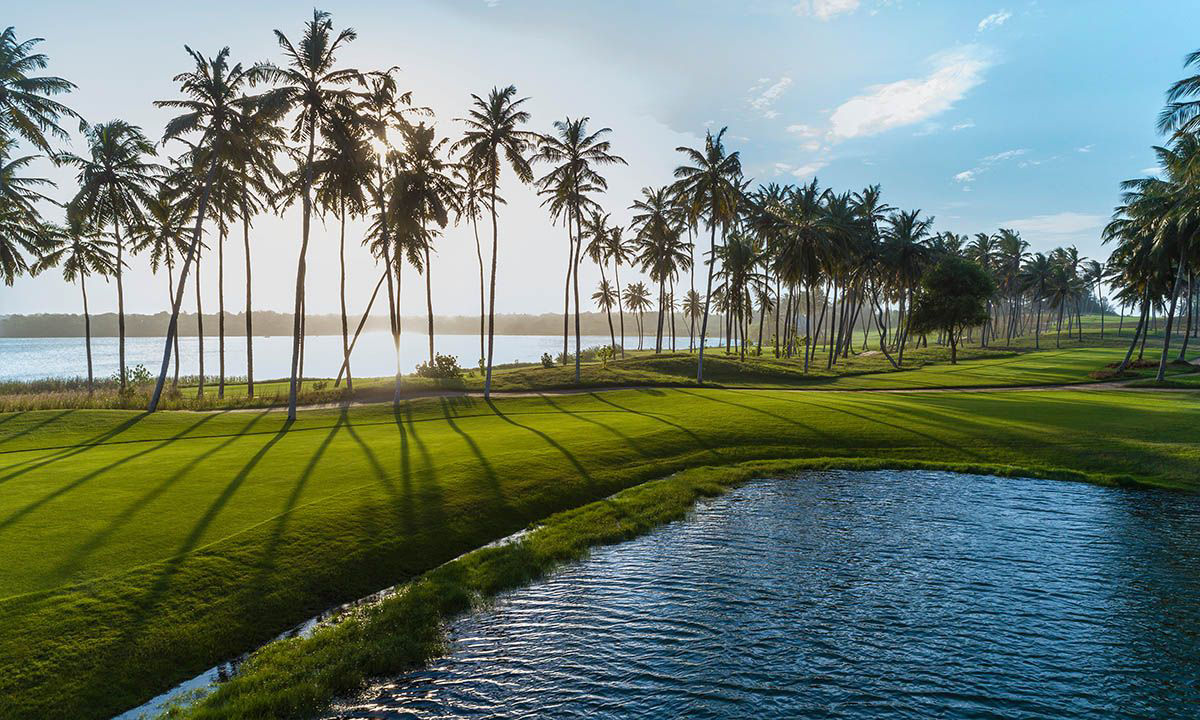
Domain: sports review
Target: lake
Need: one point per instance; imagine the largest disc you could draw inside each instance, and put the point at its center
(848, 595)
(374, 356)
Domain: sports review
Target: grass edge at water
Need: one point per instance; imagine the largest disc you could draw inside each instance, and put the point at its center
(299, 677)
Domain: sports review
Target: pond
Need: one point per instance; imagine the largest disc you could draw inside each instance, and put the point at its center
(848, 595)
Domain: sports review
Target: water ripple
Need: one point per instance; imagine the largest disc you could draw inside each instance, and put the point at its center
(848, 595)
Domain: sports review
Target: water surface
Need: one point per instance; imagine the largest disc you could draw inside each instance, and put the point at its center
(849, 595)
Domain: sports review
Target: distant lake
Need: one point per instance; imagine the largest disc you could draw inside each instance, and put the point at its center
(39, 358)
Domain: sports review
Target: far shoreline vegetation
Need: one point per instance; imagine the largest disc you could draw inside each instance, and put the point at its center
(751, 329)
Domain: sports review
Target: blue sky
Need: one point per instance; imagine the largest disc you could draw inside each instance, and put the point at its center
(983, 114)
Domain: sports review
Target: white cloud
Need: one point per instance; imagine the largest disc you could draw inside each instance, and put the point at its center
(1152, 170)
(1002, 156)
(804, 131)
(1085, 149)
(965, 176)
(963, 125)
(986, 162)
(763, 96)
(809, 169)
(906, 102)
(996, 19)
(1057, 226)
(825, 9)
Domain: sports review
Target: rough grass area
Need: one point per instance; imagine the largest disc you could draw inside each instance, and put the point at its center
(298, 677)
(141, 549)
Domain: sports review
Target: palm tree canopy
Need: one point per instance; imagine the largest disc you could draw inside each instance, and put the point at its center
(27, 107)
(493, 132)
(117, 177)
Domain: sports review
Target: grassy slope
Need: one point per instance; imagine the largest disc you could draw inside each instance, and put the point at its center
(140, 549)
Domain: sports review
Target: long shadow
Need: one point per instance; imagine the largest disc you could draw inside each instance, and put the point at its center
(623, 437)
(432, 491)
(6, 522)
(101, 537)
(548, 440)
(761, 411)
(36, 426)
(700, 443)
(73, 450)
(493, 480)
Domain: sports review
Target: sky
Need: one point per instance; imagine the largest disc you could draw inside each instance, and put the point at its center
(984, 114)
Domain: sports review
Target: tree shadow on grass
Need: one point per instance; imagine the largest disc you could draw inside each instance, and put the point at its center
(623, 437)
(547, 439)
(489, 473)
(700, 443)
(8, 521)
(791, 421)
(100, 538)
(73, 450)
(32, 428)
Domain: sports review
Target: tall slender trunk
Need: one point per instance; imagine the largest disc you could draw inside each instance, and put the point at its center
(575, 285)
(1058, 337)
(671, 305)
(249, 304)
(487, 383)
(342, 294)
(612, 335)
(173, 324)
(1179, 275)
(620, 308)
(170, 299)
(662, 299)
(1141, 326)
(712, 261)
(199, 327)
(221, 314)
(1037, 335)
(301, 269)
(567, 290)
(120, 305)
(479, 255)
(87, 332)
(428, 289)
(1191, 303)
(363, 321)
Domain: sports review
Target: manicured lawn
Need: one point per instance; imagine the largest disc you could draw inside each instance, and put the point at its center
(140, 549)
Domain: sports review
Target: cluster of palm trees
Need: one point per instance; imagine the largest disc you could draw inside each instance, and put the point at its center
(801, 269)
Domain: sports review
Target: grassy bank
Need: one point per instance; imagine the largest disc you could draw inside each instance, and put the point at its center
(297, 677)
(142, 549)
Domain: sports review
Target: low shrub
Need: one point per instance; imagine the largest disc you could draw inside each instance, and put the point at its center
(444, 366)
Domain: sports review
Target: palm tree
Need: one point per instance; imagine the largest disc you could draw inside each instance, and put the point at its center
(160, 234)
(116, 179)
(692, 308)
(213, 98)
(1037, 276)
(426, 196)
(637, 300)
(493, 130)
(1093, 276)
(310, 84)
(598, 232)
(621, 253)
(661, 250)
(605, 298)
(709, 185)
(576, 156)
(741, 257)
(469, 204)
(22, 229)
(904, 247)
(82, 250)
(26, 107)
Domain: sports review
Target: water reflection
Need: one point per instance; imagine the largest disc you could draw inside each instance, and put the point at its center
(849, 595)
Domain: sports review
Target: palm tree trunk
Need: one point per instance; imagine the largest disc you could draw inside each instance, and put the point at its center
(712, 261)
(120, 305)
(1136, 333)
(387, 273)
(567, 290)
(428, 290)
(620, 308)
(662, 299)
(671, 315)
(1058, 337)
(87, 332)
(221, 314)
(342, 289)
(301, 268)
(1179, 275)
(170, 299)
(1191, 303)
(173, 324)
(479, 255)
(575, 284)
(249, 304)
(612, 335)
(1037, 342)
(199, 328)
(487, 383)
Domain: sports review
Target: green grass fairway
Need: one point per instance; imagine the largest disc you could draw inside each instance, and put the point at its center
(141, 549)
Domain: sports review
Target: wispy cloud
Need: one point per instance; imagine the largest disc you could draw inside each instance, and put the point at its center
(994, 20)
(1152, 170)
(906, 102)
(1085, 149)
(764, 94)
(825, 9)
(1056, 228)
(986, 162)
(963, 125)
(809, 169)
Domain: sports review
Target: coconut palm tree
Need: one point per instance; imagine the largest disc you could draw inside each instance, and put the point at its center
(161, 235)
(710, 186)
(493, 133)
(576, 157)
(1037, 277)
(1093, 276)
(82, 250)
(426, 196)
(661, 250)
(740, 279)
(596, 231)
(212, 98)
(310, 84)
(116, 179)
(621, 253)
(605, 298)
(637, 301)
(692, 307)
(27, 109)
(23, 232)
(469, 203)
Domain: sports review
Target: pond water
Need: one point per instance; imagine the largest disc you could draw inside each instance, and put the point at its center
(373, 356)
(849, 595)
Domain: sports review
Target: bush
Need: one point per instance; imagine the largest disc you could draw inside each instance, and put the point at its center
(547, 361)
(444, 366)
(605, 354)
